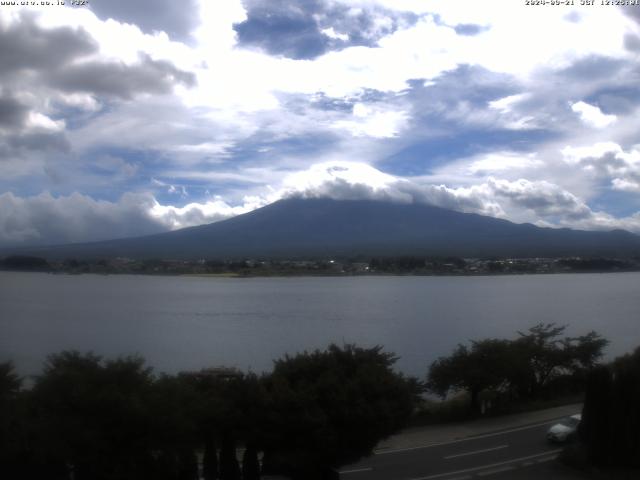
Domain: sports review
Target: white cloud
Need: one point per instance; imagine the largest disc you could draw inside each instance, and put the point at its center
(331, 33)
(608, 161)
(39, 120)
(242, 95)
(592, 115)
(626, 185)
(500, 162)
(47, 219)
(373, 121)
(195, 213)
(506, 104)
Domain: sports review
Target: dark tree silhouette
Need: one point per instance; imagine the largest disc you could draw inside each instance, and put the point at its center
(12, 428)
(229, 467)
(548, 355)
(610, 426)
(329, 408)
(92, 415)
(483, 366)
(523, 367)
(250, 463)
(210, 458)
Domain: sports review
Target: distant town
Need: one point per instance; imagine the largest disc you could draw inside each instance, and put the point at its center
(400, 265)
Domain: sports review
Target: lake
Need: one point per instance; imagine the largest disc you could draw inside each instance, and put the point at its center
(184, 323)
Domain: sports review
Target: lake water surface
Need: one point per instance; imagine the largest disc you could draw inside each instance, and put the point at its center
(181, 323)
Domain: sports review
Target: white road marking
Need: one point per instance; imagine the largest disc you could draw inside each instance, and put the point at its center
(355, 470)
(487, 435)
(476, 452)
(491, 465)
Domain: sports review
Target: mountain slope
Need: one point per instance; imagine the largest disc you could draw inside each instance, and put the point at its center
(322, 227)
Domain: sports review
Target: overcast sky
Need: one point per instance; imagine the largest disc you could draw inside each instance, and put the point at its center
(126, 118)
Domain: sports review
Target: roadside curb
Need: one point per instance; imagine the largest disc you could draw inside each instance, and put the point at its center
(423, 437)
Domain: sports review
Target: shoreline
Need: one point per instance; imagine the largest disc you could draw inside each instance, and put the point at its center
(321, 275)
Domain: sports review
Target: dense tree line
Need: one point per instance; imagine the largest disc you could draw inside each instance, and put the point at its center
(87, 418)
(610, 427)
(539, 362)
(413, 264)
(25, 263)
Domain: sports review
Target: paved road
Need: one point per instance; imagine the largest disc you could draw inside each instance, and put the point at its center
(509, 454)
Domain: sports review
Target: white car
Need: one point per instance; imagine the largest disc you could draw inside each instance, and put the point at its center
(565, 430)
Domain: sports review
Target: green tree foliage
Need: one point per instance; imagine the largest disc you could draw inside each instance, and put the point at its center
(522, 368)
(483, 366)
(610, 426)
(10, 382)
(250, 463)
(92, 415)
(548, 355)
(229, 407)
(329, 408)
(173, 406)
(25, 263)
(91, 418)
(12, 434)
(596, 415)
(210, 459)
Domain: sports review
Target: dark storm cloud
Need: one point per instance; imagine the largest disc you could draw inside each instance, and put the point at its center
(12, 113)
(38, 64)
(177, 18)
(18, 138)
(46, 141)
(119, 80)
(294, 28)
(26, 46)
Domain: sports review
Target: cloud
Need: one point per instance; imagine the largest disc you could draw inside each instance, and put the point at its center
(52, 74)
(45, 219)
(25, 46)
(116, 79)
(100, 101)
(520, 200)
(373, 121)
(592, 115)
(195, 213)
(608, 161)
(306, 29)
(543, 198)
(12, 112)
(23, 130)
(358, 181)
(177, 18)
(470, 29)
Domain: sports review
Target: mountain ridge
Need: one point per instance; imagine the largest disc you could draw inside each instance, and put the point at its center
(318, 227)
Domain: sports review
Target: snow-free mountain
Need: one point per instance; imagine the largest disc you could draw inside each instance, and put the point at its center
(297, 228)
